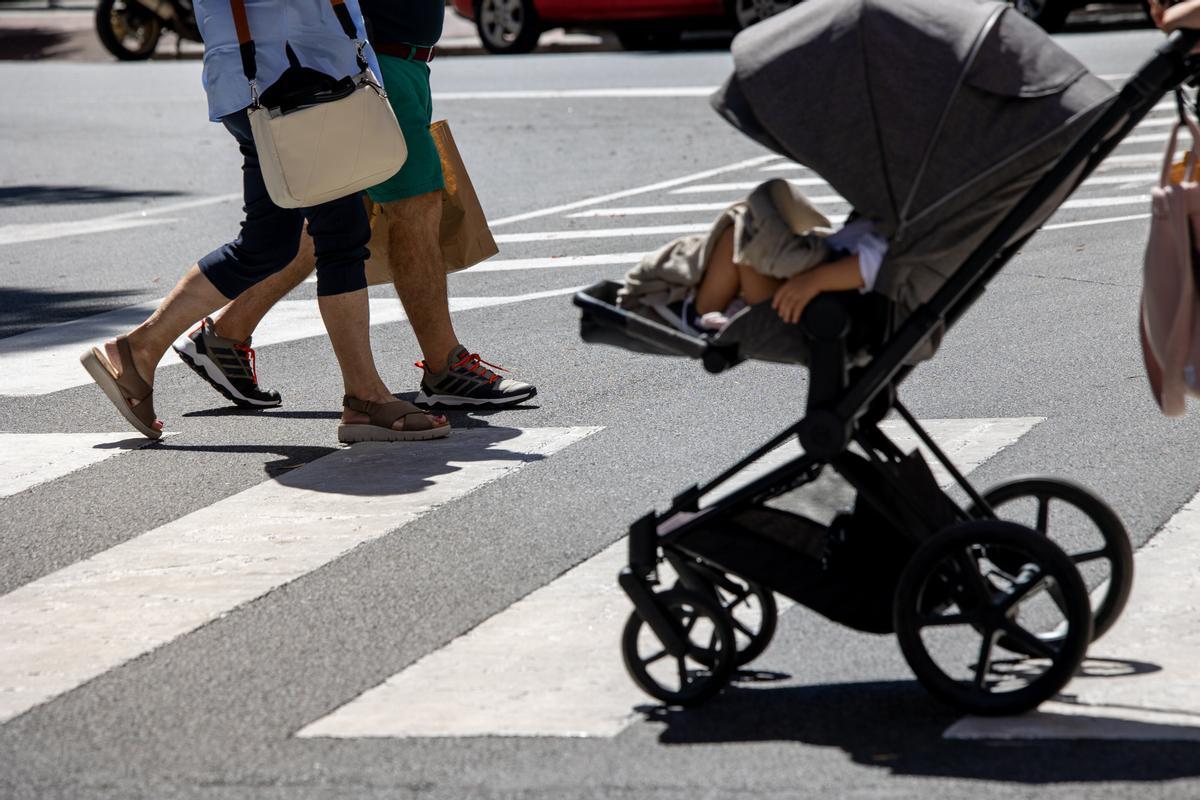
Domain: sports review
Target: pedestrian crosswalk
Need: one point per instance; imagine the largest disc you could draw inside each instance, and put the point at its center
(548, 665)
(64, 629)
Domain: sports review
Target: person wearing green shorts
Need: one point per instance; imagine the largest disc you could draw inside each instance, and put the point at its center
(403, 35)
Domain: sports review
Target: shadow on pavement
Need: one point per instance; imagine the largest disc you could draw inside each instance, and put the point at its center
(896, 725)
(23, 310)
(35, 43)
(373, 468)
(37, 194)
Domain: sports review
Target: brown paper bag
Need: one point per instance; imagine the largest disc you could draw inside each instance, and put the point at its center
(465, 236)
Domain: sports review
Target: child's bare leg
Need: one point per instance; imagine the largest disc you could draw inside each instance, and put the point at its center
(721, 279)
(757, 287)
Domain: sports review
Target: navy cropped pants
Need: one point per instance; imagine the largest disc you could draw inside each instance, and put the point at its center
(270, 235)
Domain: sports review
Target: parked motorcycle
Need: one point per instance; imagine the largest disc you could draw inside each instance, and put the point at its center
(130, 29)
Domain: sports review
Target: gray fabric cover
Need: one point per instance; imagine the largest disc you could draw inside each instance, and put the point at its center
(932, 118)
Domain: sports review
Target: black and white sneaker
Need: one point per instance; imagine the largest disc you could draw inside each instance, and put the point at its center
(227, 365)
(467, 382)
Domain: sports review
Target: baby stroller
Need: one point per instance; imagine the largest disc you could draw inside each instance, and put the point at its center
(960, 128)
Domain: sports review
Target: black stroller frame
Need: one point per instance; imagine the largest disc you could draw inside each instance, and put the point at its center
(941, 581)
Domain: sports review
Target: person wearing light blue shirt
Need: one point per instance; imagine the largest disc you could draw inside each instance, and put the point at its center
(286, 33)
(309, 26)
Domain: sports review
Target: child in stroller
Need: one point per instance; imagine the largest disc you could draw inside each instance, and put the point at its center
(957, 140)
(772, 246)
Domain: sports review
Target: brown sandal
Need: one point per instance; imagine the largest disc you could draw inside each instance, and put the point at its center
(125, 388)
(417, 425)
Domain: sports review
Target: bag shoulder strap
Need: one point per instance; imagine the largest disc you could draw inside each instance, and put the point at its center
(246, 42)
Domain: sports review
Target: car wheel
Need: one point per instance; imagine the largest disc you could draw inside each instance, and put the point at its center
(744, 13)
(1050, 14)
(507, 26)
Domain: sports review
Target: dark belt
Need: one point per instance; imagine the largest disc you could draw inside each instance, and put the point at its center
(407, 52)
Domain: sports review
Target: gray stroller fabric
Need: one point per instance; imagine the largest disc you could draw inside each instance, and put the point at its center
(932, 118)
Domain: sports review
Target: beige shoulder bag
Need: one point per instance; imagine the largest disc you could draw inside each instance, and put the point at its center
(320, 138)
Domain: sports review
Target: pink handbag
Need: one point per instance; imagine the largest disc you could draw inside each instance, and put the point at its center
(1170, 309)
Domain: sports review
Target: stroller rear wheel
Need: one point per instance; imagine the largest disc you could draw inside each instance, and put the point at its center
(707, 663)
(973, 584)
(750, 607)
(1085, 527)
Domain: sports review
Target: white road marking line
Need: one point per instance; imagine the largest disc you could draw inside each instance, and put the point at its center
(550, 665)
(1158, 122)
(790, 166)
(744, 186)
(67, 628)
(1085, 223)
(614, 233)
(47, 360)
(654, 187)
(1146, 137)
(1161, 627)
(600, 233)
(1106, 202)
(681, 208)
(1123, 160)
(629, 93)
(41, 231)
(1106, 180)
(626, 259)
(31, 459)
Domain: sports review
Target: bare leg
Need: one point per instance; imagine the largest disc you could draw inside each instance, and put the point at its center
(193, 298)
(348, 320)
(756, 287)
(722, 280)
(239, 319)
(419, 274)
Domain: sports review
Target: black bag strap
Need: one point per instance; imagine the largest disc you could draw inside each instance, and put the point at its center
(246, 41)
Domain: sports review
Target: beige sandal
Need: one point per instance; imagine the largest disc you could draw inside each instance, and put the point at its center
(417, 425)
(125, 388)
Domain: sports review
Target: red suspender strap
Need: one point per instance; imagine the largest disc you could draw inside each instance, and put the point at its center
(245, 43)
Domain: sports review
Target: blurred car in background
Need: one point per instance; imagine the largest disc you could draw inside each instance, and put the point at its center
(514, 26)
(1052, 14)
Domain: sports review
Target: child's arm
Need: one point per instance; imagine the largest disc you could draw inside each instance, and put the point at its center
(835, 276)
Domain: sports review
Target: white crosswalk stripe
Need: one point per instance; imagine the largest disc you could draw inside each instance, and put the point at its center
(550, 664)
(62, 630)
(47, 359)
(30, 459)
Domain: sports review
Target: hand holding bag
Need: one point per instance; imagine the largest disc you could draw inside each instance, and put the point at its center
(320, 138)
(1170, 309)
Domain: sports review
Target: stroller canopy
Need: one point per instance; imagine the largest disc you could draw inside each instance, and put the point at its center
(928, 116)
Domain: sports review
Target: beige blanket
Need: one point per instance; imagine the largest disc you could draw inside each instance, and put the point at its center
(776, 231)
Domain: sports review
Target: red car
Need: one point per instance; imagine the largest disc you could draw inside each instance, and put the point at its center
(513, 26)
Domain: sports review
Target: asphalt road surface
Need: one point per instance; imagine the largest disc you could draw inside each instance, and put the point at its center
(246, 610)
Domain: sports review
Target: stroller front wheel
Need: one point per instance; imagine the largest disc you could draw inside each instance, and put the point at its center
(709, 654)
(978, 583)
(750, 607)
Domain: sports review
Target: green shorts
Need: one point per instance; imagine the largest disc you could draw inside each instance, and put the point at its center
(407, 85)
